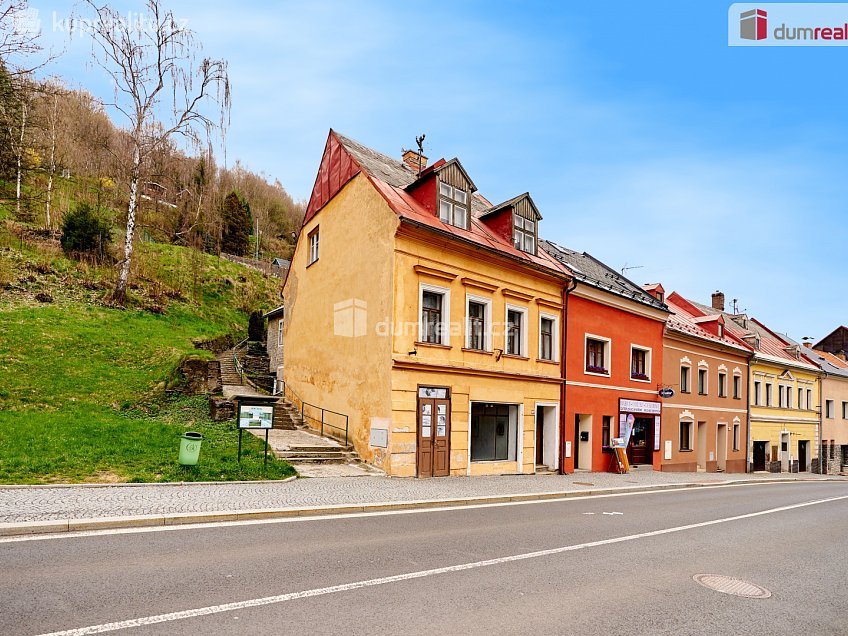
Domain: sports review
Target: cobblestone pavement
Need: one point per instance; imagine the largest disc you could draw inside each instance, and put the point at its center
(23, 504)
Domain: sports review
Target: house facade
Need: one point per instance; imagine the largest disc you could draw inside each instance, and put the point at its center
(705, 422)
(783, 395)
(614, 337)
(834, 408)
(274, 340)
(427, 315)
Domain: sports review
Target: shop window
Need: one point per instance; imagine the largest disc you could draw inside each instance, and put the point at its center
(606, 430)
(684, 380)
(702, 381)
(640, 364)
(494, 432)
(596, 356)
(722, 385)
(685, 436)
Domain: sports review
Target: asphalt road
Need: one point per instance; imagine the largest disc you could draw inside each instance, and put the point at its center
(627, 573)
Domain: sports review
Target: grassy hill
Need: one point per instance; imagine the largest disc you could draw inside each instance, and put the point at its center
(83, 385)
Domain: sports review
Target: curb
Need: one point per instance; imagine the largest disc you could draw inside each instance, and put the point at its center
(110, 523)
(147, 484)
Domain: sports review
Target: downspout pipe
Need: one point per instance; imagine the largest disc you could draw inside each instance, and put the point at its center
(822, 463)
(562, 366)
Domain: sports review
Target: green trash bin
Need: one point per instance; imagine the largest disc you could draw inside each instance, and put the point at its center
(190, 448)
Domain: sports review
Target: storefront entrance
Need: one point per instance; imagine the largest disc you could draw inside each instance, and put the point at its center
(640, 449)
(433, 455)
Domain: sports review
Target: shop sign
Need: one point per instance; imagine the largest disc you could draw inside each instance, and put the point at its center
(639, 406)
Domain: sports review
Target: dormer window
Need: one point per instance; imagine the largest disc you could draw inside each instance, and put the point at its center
(453, 205)
(720, 330)
(524, 234)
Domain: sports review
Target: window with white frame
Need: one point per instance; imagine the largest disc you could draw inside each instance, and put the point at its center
(702, 381)
(479, 328)
(845, 410)
(737, 387)
(781, 402)
(516, 331)
(722, 384)
(801, 404)
(313, 246)
(640, 363)
(757, 392)
(810, 405)
(828, 409)
(736, 437)
(685, 379)
(597, 355)
(685, 435)
(548, 337)
(280, 332)
(434, 303)
(524, 234)
(769, 394)
(789, 397)
(453, 205)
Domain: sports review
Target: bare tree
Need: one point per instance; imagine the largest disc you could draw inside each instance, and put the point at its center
(19, 32)
(160, 88)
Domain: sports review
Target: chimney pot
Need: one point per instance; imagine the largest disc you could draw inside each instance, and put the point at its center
(410, 158)
(718, 301)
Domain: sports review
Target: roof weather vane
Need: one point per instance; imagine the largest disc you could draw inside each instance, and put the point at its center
(420, 141)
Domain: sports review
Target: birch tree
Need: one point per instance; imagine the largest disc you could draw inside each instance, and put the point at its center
(162, 88)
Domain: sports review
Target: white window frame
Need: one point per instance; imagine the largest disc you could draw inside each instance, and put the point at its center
(688, 368)
(554, 337)
(828, 409)
(801, 405)
(524, 353)
(649, 359)
(758, 394)
(810, 404)
(314, 244)
(445, 332)
(519, 435)
(769, 393)
(706, 388)
(280, 333)
(845, 410)
(607, 354)
(450, 199)
(487, 319)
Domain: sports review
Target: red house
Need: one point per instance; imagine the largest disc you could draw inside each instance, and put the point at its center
(614, 355)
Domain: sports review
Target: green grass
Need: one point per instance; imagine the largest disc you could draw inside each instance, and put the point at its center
(82, 385)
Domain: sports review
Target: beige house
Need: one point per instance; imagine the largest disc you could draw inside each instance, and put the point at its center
(834, 407)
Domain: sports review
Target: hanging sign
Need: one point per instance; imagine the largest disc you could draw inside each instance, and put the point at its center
(667, 392)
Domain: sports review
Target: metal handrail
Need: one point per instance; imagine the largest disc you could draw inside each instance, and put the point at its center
(236, 361)
(322, 425)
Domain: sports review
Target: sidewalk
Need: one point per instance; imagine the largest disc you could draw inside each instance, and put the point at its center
(28, 509)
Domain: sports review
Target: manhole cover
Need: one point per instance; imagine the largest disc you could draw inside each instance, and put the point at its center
(729, 585)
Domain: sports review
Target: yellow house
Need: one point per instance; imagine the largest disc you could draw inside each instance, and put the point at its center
(783, 394)
(427, 316)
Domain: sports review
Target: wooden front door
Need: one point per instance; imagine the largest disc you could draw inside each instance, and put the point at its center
(433, 433)
(640, 449)
(760, 455)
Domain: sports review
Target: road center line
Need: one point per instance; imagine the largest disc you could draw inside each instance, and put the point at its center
(346, 587)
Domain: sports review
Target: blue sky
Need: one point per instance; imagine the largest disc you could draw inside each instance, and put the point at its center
(643, 138)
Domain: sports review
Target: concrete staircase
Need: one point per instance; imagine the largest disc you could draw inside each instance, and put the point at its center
(229, 374)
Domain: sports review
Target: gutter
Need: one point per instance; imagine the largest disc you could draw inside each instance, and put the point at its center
(563, 354)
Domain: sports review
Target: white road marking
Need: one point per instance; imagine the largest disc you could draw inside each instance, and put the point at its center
(357, 515)
(612, 513)
(346, 587)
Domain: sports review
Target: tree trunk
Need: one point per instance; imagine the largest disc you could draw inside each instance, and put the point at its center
(120, 295)
(52, 160)
(20, 155)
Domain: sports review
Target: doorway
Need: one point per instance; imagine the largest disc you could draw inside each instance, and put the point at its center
(583, 441)
(546, 437)
(760, 456)
(721, 448)
(433, 456)
(640, 448)
(803, 451)
(701, 449)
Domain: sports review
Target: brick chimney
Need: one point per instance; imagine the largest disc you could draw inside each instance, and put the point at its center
(718, 301)
(410, 158)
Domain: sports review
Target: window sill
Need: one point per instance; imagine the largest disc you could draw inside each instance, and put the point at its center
(600, 375)
(434, 345)
(514, 357)
(492, 461)
(545, 361)
(648, 381)
(686, 450)
(480, 351)
(312, 263)
(702, 393)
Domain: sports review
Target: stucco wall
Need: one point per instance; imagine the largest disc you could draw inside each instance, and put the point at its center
(334, 357)
(274, 344)
(835, 428)
(710, 408)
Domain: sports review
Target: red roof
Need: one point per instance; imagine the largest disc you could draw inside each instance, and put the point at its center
(344, 158)
(687, 319)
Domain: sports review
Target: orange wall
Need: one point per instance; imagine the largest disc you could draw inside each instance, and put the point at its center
(624, 329)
